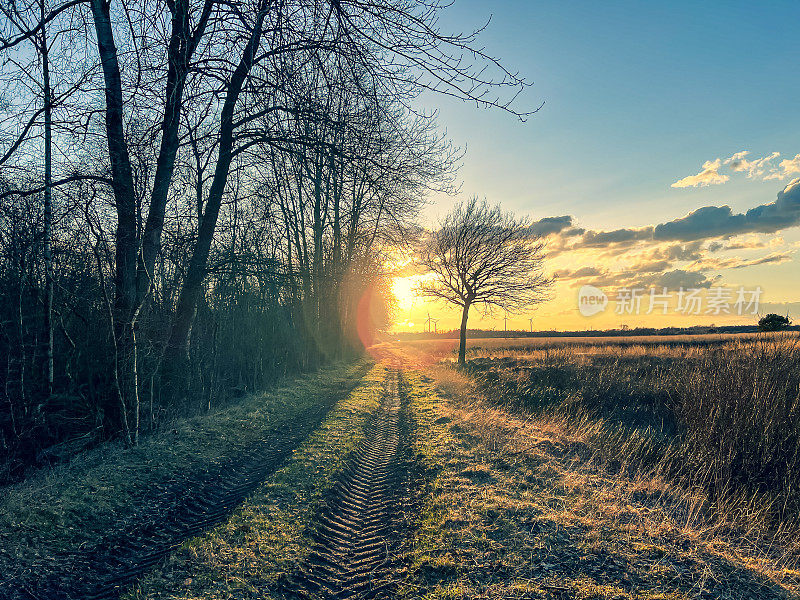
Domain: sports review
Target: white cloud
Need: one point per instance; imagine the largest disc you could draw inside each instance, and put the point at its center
(763, 169)
(710, 175)
(755, 168)
(787, 167)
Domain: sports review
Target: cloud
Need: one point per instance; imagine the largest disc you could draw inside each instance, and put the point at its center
(684, 252)
(664, 273)
(751, 242)
(743, 245)
(672, 279)
(737, 159)
(755, 168)
(792, 166)
(710, 175)
(678, 278)
(776, 241)
(690, 231)
(720, 221)
(787, 167)
(735, 262)
(763, 168)
(573, 232)
(689, 251)
(599, 239)
(776, 259)
(654, 266)
(708, 221)
(550, 225)
(581, 273)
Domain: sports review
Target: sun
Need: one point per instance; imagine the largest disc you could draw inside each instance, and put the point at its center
(403, 290)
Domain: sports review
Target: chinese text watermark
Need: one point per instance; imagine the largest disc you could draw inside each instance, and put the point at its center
(686, 301)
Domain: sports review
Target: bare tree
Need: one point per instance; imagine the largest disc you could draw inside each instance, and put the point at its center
(392, 48)
(15, 23)
(481, 255)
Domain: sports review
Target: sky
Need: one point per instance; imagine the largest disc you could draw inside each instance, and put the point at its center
(663, 124)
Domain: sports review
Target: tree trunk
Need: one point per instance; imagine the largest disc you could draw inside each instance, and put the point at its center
(125, 200)
(192, 284)
(122, 175)
(462, 341)
(21, 335)
(182, 45)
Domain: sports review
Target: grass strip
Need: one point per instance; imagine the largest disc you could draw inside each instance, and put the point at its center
(78, 504)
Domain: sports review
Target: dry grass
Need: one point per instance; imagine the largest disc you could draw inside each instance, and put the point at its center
(428, 352)
(522, 507)
(681, 345)
(725, 418)
(524, 344)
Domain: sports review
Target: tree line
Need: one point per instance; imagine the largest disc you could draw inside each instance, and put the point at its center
(200, 196)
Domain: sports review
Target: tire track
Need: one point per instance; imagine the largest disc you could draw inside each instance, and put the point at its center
(184, 510)
(361, 527)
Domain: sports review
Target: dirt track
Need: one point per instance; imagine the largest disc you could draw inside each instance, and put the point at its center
(360, 528)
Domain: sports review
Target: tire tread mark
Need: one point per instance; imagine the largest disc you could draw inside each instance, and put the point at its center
(360, 526)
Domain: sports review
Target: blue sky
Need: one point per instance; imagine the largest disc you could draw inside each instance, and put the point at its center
(635, 96)
(638, 95)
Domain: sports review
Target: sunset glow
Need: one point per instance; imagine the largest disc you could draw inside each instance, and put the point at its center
(672, 187)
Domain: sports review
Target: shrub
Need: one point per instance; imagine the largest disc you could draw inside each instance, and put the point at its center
(773, 322)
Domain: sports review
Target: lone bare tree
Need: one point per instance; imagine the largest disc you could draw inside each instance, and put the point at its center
(481, 255)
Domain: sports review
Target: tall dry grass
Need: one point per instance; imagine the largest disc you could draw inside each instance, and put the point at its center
(739, 412)
(724, 417)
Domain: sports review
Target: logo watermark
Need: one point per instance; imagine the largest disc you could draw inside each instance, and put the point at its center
(591, 300)
(686, 301)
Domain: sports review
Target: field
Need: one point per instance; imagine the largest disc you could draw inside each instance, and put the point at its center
(717, 413)
(654, 469)
(518, 344)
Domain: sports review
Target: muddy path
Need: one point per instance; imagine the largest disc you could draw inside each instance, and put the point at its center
(364, 522)
(176, 513)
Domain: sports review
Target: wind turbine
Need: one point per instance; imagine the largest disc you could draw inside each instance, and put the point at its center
(435, 321)
(428, 321)
(505, 322)
(530, 320)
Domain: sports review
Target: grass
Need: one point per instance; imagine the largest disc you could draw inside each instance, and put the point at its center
(521, 507)
(74, 505)
(557, 472)
(269, 535)
(724, 418)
